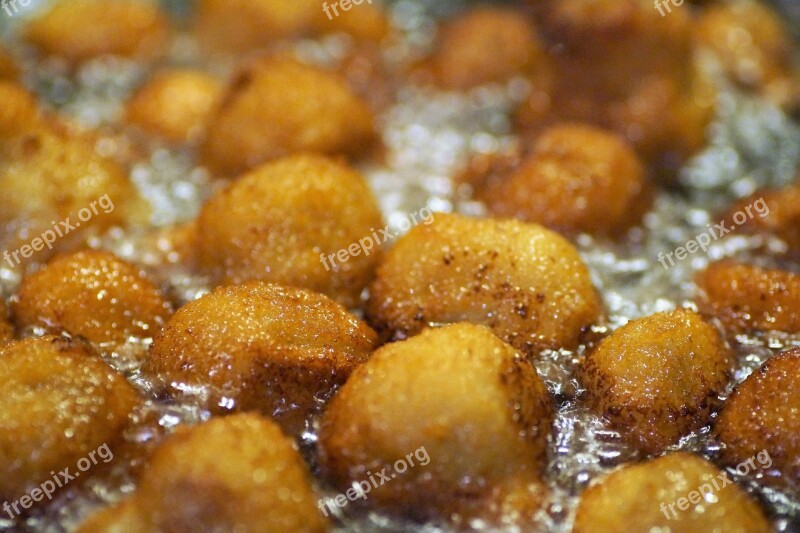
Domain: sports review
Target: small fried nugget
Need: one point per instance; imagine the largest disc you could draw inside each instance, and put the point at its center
(279, 106)
(19, 113)
(528, 284)
(747, 298)
(677, 492)
(289, 222)
(55, 185)
(429, 413)
(175, 104)
(658, 378)
(60, 402)
(576, 179)
(772, 211)
(760, 420)
(93, 294)
(237, 473)
(486, 44)
(754, 47)
(79, 30)
(240, 25)
(256, 346)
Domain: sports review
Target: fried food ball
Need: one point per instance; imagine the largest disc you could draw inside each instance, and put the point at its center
(93, 294)
(658, 378)
(576, 179)
(54, 185)
(677, 492)
(8, 67)
(620, 65)
(60, 402)
(483, 45)
(774, 211)
(6, 329)
(439, 402)
(79, 30)
(175, 104)
(760, 419)
(257, 346)
(287, 222)
(19, 113)
(240, 25)
(754, 48)
(237, 473)
(305, 108)
(747, 298)
(526, 283)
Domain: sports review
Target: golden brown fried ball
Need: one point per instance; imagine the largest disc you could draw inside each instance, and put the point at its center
(525, 282)
(760, 419)
(658, 378)
(278, 107)
(747, 298)
(237, 473)
(439, 402)
(774, 211)
(283, 221)
(8, 67)
(486, 44)
(240, 25)
(55, 182)
(754, 47)
(78, 30)
(620, 65)
(175, 104)
(677, 492)
(256, 346)
(576, 179)
(93, 294)
(60, 403)
(19, 113)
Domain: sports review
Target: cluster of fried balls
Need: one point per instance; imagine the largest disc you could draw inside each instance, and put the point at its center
(427, 344)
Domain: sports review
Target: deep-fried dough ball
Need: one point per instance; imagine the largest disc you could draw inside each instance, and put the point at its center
(237, 473)
(486, 44)
(278, 107)
(59, 403)
(525, 282)
(175, 104)
(754, 47)
(775, 211)
(8, 67)
(747, 298)
(78, 30)
(441, 402)
(19, 112)
(239, 25)
(281, 222)
(620, 65)
(658, 378)
(48, 176)
(677, 492)
(93, 294)
(761, 415)
(279, 350)
(6, 329)
(576, 179)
